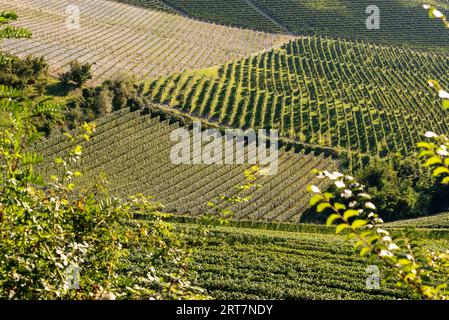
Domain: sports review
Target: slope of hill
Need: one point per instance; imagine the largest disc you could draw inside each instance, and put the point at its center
(133, 150)
(240, 263)
(440, 221)
(352, 96)
(334, 18)
(230, 12)
(119, 38)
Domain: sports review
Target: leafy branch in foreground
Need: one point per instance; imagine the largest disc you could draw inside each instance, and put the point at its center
(436, 155)
(434, 13)
(10, 32)
(220, 206)
(423, 272)
(58, 242)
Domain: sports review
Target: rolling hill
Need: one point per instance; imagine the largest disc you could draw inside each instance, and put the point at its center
(332, 18)
(122, 39)
(355, 97)
(133, 151)
(440, 221)
(335, 90)
(240, 263)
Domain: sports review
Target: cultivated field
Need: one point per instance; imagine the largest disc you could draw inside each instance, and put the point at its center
(119, 38)
(340, 95)
(239, 263)
(440, 221)
(354, 97)
(133, 150)
(401, 22)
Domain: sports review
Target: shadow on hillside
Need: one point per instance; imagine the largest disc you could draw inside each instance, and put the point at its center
(58, 90)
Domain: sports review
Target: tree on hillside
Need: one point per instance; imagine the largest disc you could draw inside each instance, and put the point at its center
(103, 101)
(20, 73)
(78, 74)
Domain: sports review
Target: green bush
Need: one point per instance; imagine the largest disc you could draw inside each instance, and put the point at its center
(20, 73)
(59, 242)
(398, 187)
(78, 74)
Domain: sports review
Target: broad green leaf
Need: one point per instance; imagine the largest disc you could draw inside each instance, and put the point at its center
(440, 170)
(432, 161)
(365, 251)
(426, 145)
(341, 227)
(350, 213)
(331, 219)
(446, 104)
(358, 244)
(316, 199)
(404, 262)
(328, 195)
(358, 223)
(323, 206)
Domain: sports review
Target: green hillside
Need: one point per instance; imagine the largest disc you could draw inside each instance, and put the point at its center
(440, 221)
(354, 97)
(239, 263)
(238, 13)
(334, 18)
(133, 151)
(109, 191)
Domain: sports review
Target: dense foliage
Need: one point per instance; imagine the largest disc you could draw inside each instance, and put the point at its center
(77, 75)
(59, 242)
(21, 73)
(401, 189)
(423, 273)
(111, 95)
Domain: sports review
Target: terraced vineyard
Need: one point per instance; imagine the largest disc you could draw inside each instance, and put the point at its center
(150, 4)
(335, 18)
(133, 150)
(122, 39)
(260, 264)
(230, 12)
(338, 93)
(440, 221)
(350, 96)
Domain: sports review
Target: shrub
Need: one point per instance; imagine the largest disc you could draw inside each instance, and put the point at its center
(78, 74)
(103, 102)
(399, 189)
(20, 73)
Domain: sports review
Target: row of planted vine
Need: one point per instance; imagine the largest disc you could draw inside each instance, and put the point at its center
(133, 151)
(400, 22)
(123, 39)
(355, 97)
(259, 264)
